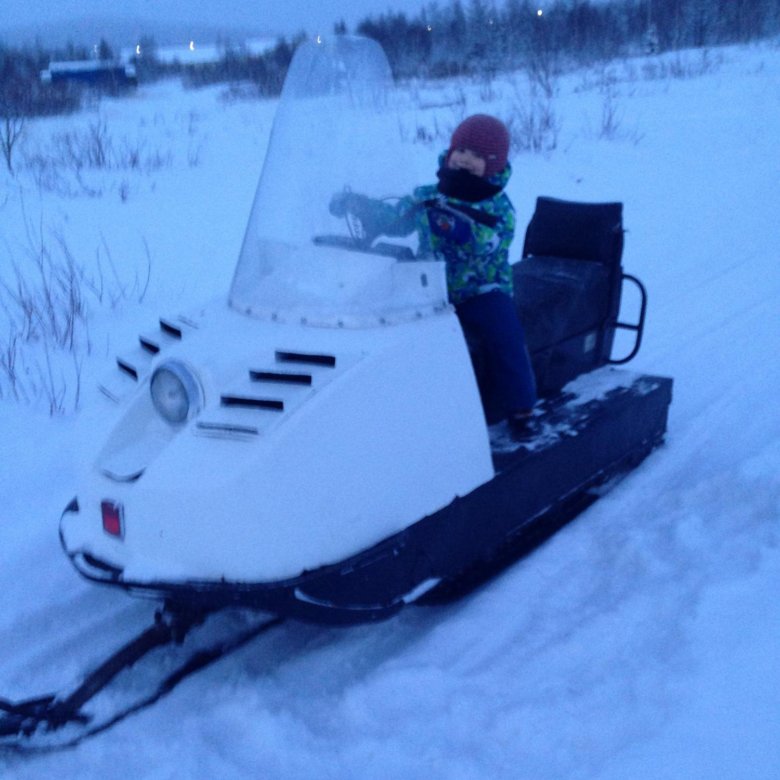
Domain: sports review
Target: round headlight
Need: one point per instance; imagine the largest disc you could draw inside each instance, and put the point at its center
(175, 392)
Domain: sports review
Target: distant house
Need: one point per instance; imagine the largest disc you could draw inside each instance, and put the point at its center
(108, 75)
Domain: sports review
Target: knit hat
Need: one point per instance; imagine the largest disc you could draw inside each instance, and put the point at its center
(486, 136)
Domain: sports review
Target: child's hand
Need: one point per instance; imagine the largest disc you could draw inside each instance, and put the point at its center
(448, 224)
(366, 211)
(339, 204)
(346, 202)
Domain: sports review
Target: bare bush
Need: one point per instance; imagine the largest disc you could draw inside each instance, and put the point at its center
(438, 111)
(46, 302)
(488, 92)
(611, 121)
(611, 81)
(542, 72)
(534, 125)
(45, 317)
(611, 115)
(73, 155)
(115, 289)
(683, 65)
(11, 382)
(431, 133)
(532, 120)
(11, 130)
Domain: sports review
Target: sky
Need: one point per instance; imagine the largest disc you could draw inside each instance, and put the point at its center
(278, 18)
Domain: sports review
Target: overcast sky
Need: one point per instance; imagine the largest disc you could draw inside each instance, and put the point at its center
(283, 17)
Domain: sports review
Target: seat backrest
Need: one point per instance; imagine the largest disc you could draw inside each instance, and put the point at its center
(578, 231)
(568, 286)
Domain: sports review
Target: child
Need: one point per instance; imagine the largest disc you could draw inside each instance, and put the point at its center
(468, 221)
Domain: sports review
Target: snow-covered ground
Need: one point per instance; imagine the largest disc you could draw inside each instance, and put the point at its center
(643, 641)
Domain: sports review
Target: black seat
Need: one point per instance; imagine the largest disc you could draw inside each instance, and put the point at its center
(568, 288)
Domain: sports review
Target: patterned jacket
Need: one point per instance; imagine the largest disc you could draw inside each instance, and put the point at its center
(472, 238)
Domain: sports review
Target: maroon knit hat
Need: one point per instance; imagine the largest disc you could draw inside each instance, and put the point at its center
(486, 136)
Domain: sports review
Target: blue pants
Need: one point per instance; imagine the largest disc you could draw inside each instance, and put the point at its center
(499, 353)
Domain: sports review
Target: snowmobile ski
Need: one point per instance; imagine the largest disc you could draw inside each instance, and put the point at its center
(57, 722)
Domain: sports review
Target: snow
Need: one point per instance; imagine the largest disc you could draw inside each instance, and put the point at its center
(641, 641)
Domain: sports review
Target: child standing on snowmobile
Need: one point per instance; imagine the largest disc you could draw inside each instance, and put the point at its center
(468, 221)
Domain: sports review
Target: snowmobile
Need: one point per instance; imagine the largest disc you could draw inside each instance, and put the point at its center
(319, 447)
(324, 446)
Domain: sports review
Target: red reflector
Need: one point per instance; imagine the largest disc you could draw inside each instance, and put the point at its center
(113, 519)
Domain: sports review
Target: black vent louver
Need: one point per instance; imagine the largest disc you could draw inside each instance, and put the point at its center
(306, 358)
(170, 328)
(128, 369)
(283, 377)
(149, 345)
(250, 402)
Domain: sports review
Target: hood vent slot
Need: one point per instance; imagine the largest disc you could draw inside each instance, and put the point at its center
(128, 369)
(306, 358)
(170, 329)
(285, 377)
(250, 402)
(149, 345)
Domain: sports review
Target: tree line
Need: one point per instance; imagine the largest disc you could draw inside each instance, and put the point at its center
(479, 36)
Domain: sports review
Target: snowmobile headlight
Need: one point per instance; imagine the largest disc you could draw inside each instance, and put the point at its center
(175, 392)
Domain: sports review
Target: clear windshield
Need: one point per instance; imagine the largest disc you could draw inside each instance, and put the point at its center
(335, 127)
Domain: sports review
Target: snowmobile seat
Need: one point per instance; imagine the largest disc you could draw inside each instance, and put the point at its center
(568, 288)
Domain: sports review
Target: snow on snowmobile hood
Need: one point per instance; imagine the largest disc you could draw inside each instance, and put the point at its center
(335, 127)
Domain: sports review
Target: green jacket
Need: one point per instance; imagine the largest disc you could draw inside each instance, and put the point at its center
(472, 238)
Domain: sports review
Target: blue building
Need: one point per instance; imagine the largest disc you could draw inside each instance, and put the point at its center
(106, 75)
